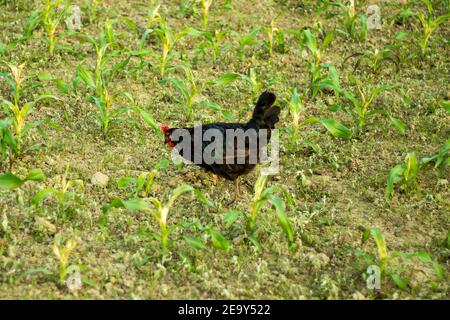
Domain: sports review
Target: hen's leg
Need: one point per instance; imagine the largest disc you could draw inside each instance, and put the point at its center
(236, 192)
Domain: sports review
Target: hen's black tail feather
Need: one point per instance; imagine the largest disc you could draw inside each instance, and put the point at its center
(264, 115)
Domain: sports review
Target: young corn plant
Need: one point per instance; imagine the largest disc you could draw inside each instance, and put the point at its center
(295, 108)
(98, 80)
(323, 76)
(212, 41)
(206, 4)
(62, 253)
(429, 24)
(316, 49)
(247, 40)
(406, 173)
(159, 211)
(388, 262)
(355, 24)
(362, 104)
(250, 79)
(168, 39)
(191, 93)
(51, 16)
(19, 111)
(275, 38)
(144, 182)
(374, 59)
(441, 159)
(263, 195)
(92, 9)
(337, 129)
(63, 195)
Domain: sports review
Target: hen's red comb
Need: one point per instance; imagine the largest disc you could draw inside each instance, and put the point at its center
(164, 128)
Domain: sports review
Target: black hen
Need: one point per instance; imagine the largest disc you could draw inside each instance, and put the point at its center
(243, 156)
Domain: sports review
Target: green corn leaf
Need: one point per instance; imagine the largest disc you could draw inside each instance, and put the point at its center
(282, 217)
(11, 181)
(381, 244)
(131, 204)
(86, 75)
(395, 175)
(401, 282)
(218, 240)
(398, 124)
(227, 78)
(445, 105)
(337, 129)
(178, 192)
(42, 194)
(123, 182)
(195, 242)
(201, 196)
(232, 216)
(62, 86)
(45, 76)
(255, 242)
(411, 167)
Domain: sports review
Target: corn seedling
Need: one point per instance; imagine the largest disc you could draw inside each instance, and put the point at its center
(33, 21)
(316, 49)
(250, 79)
(385, 260)
(405, 173)
(168, 39)
(206, 4)
(374, 59)
(247, 40)
(143, 183)
(191, 93)
(355, 24)
(335, 128)
(295, 108)
(440, 159)
(262, 195)
(212, 41)
(275, 37)
(62, 194)
(91, 9)
(98, 81)
(429, 24)
(51, 16)
(362, 104)
(323, 76)
(159, 211)
(62, 253)
(18, 111)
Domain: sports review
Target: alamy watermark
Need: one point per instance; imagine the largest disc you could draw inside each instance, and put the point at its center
(374, 277)
(73, 280)
(227, 146)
